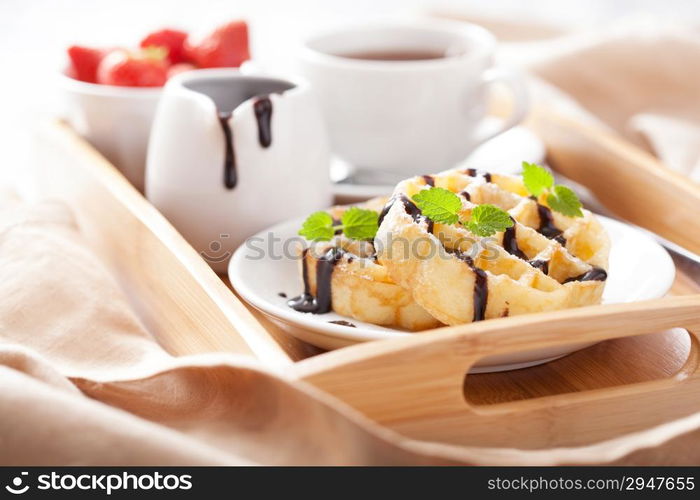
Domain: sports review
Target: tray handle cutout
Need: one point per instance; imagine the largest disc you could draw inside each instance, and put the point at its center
(415, 384)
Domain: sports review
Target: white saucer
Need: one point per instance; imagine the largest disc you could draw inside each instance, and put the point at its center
(503, 154)
(640, 269)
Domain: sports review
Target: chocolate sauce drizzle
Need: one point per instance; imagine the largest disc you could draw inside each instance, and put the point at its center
(410, 208)
(230, 175)
(415, 212)
(466, 196)
(595, 274)
(547, 227)
(324, 271)
(321, 303)
(385, 211)
(542, 265)
(472, 172)
(481, 289)
(510, 243)
(429, 180)
(263, 114)
(343, 322)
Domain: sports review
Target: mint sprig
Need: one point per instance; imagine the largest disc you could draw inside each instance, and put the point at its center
(356, 223)
(439, 205)
(487, 220)
(443, 206)
(539, 181)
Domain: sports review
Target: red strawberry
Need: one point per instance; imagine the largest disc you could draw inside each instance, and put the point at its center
(172, 40)
(227, 46)
(84, 62)
(145, 69)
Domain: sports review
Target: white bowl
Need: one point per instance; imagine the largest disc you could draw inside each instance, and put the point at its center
(640, 269)
(116, 120)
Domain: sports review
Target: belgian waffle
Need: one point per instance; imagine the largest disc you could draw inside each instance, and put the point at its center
(546, 261)
(343, 275)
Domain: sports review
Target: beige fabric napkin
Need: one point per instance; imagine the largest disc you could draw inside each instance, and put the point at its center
(81, 381)
(640, 81)
(637, 77)
(643, 85)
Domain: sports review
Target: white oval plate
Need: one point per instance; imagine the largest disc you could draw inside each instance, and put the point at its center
(640, 269)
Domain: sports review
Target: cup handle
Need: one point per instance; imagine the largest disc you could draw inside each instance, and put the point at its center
(514, 81)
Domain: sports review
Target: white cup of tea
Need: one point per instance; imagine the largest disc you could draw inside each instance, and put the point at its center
(408, 98)
(230, 154)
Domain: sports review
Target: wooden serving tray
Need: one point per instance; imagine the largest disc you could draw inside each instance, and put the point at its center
(643, 373)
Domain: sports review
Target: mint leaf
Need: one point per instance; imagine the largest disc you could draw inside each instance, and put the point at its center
(360, 224)
(318, 227)
(539, 181)
(564, 200)
(439, 205)
(536, 179)
(487, 220)
(356, 223)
